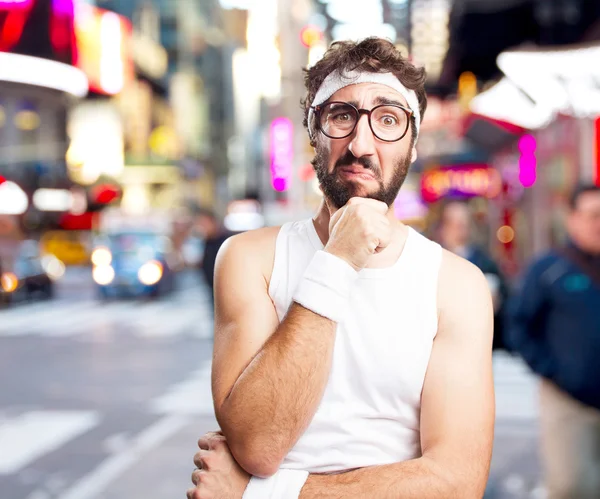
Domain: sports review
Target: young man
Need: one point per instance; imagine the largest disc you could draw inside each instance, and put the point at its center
(555, 326)
(352, 356)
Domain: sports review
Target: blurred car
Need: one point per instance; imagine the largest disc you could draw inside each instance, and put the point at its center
(133, 264)
(28, 275)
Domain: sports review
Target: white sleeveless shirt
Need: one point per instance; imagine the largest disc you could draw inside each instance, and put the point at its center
(370, 411)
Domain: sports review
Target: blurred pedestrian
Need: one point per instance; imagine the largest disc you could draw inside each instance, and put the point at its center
(456, 235)
(352, 355)
(213, 236)
(555, 326)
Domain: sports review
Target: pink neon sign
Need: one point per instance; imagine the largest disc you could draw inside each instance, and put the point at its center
(7, 4)
(282, 153)
(527, 161)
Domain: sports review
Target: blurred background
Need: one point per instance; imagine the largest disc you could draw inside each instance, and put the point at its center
(136, 135)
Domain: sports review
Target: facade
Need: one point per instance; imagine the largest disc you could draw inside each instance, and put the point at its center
(39, 83)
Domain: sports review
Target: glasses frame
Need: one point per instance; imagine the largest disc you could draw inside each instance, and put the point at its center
(318, 109)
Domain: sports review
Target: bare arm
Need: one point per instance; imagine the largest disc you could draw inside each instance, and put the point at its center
(457, 414)
(268, 378)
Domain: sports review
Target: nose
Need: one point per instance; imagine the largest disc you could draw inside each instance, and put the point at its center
(363, 141)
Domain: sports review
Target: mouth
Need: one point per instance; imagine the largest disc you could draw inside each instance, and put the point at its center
(353, 172)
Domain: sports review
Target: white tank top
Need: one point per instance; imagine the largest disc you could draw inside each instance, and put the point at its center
(369, 414)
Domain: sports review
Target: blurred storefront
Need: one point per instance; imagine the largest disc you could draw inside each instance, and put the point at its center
(39, 83)
(550, 96)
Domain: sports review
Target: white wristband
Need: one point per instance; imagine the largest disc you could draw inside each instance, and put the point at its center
(326, 285)
(285, 484)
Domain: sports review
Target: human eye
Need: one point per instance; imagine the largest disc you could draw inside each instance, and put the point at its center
(389, 120)
(341, 116)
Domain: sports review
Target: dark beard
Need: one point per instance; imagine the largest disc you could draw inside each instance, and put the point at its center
(339, 192)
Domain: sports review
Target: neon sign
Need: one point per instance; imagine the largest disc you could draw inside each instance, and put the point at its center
(461, 181)
(103, 41)
(282, 153)
(597, 146)
(527, 161)
(9, 4)
(28, 27)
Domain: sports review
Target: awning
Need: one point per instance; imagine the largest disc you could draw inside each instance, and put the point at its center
(45, 73)
(540, 84)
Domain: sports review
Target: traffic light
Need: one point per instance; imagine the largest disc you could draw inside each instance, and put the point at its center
(310, 35)
(2, 179)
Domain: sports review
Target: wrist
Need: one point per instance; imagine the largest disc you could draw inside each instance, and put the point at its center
(333, 252)
(326, 286)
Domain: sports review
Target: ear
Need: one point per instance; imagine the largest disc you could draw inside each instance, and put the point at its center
(413, 157)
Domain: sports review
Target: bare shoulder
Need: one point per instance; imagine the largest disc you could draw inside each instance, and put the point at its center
(463, 294)
(456, 268)
(253, 250)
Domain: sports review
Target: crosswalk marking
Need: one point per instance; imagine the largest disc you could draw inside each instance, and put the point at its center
(183, 313)
(25, 438)
(192, 396)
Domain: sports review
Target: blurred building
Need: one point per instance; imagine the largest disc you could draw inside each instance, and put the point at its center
(39, 83)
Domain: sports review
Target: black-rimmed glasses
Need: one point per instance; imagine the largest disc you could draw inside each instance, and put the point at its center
(388, 122)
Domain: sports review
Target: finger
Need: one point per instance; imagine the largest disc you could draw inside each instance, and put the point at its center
(193, 494)
(203, 442)
(335, 218)
(196, 476)
(199, 458)
(380, 206)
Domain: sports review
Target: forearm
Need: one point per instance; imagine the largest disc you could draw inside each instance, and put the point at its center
(415, 479)
(276, 396)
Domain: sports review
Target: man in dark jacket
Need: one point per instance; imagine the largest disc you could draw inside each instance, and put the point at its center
(455, 234)
(555, 327)
(214, 235)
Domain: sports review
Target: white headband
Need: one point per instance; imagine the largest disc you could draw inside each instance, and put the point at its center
(336, 81)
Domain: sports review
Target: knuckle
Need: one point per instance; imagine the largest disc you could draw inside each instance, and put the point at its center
(207, 461)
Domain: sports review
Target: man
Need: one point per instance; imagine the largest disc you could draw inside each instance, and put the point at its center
(456, 236)
(555, 326)
(214, 236)
(352, 355)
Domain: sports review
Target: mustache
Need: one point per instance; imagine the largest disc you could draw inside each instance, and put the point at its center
(348, 159)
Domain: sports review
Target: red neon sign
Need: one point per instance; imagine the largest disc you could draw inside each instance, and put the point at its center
(21, 26)
(15, 15)
(460, 181)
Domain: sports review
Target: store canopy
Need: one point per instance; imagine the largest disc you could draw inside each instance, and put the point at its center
(540, 84)
(43, 73)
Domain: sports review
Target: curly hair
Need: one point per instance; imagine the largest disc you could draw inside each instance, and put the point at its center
(374, 55)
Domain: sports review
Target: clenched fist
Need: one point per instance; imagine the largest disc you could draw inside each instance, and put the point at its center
(358, 230)
(218, 475)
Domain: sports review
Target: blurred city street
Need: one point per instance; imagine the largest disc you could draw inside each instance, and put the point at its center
(137, 136)
(107, 400)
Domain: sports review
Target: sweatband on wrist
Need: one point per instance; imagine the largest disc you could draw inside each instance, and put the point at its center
(325, 286)
(285, 484)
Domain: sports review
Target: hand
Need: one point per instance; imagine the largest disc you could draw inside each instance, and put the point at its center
(218, 476)
(358, 230)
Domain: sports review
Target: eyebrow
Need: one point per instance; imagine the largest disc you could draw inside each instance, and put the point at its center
(386, 101)
(381, 101)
